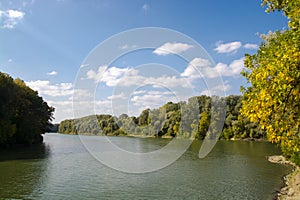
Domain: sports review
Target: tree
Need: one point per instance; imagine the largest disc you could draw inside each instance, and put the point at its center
(273, 100)
(8, 128)
(143, 118)
(24, 116)
(203, 125)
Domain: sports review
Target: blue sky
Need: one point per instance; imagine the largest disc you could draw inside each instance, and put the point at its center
(47, 44)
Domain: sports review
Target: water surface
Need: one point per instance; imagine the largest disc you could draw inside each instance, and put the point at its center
(62, 168)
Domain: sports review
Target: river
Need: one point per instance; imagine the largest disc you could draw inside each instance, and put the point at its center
(62, 168)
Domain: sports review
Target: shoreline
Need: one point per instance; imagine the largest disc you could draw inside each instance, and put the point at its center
(291, 188)
(165, 137)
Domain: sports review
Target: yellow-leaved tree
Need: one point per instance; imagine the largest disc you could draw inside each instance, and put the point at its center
(273, 99)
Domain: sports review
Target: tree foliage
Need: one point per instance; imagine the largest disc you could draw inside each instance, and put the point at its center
(273, 100)
(24, 116)
(171, 120)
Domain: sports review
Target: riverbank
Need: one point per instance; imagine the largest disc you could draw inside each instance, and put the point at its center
(139, 136)
(291, 191)
(249, 139)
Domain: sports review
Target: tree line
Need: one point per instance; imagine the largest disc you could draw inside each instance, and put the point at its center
(24, 116)
(191, 119)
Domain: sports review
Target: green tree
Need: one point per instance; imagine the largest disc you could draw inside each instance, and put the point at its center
(203, 125)
(24, 116)
(273, 100)
(143, 118)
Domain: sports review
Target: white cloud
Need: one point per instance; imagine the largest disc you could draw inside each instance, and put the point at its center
(15, 14)
(167, 82)
(68, 109)
(112, 75)
(200, 62)
(151, 92)
(194, 67)
(250, 46)
(81, 95)
(10, 60)
(117, 96)
(139, 92)
(74, 109)
(10, 18)
(106, 107)
(68, 101)
(172, 48)
(125, 77)
(199, 68)
(146, 7)
(138, 101)
(152, 99)
(53, 73)
(219, 89)
(54, 90)
(163, 81)
(96, 76)
(233, 69)
(228, 47)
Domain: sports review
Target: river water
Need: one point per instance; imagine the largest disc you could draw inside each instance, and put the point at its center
(62, 168)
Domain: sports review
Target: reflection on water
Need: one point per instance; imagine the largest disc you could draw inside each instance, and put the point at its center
(38, 151)
(62, 168)
(22, 170)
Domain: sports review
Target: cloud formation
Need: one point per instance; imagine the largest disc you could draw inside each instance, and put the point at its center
(110, 76)
(194, 67)
(117, 96)
(53, 90)
(230, 47)
(250, 46)
(52, 73)
(200, 68)
(172, 48)
(152, 99)
(10, 18)
(233, 69)
(217, 90)
(126, 77)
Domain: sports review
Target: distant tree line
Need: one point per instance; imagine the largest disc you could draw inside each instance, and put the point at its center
(191, 119)
(24, 116)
